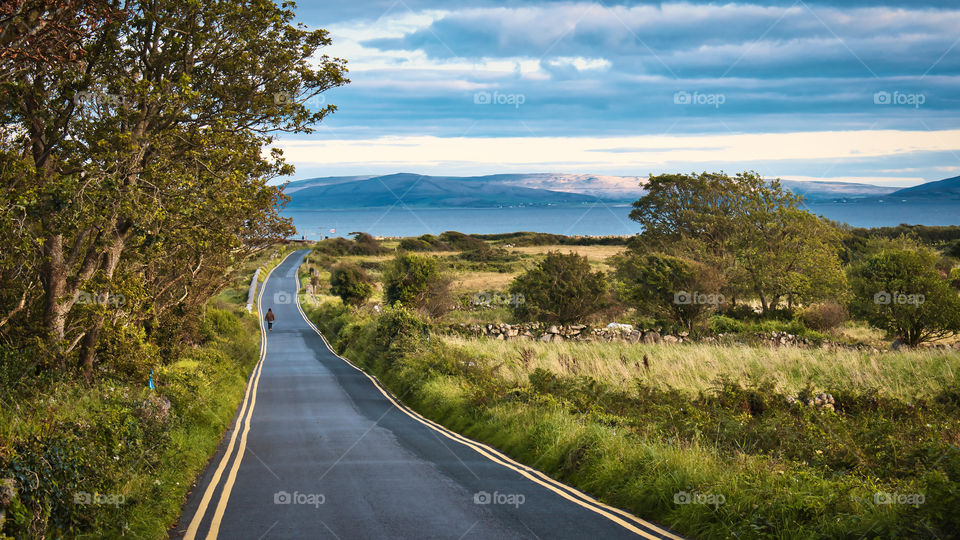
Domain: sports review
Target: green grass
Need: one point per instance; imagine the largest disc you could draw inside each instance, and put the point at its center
(711, 420)
(693, 368)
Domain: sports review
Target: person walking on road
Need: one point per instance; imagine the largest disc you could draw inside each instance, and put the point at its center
(269, 318)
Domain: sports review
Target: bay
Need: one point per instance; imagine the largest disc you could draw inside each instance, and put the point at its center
(594, 220)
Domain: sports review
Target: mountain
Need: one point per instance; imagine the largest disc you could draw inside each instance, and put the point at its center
(416, 190)
(815, 190)
(542, 189)
(941, 189)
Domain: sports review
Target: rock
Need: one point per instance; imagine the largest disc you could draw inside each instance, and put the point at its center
(500, 337)
(553, 330)
(651, 337)
(620, 327)
(546, 338)
(670, 339)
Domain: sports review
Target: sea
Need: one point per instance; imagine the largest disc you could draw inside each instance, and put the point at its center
(589, 220)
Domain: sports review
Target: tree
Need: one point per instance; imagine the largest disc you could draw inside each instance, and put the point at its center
(667, 287)
(143, 166)
(351, 284)
(416, 281)
(899, 290)
(753, 231)
(560, 289)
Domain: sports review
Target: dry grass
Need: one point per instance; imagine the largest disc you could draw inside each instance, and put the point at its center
(481, 281)
(694, 367)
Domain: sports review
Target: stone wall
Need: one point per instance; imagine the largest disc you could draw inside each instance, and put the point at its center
(626, 333)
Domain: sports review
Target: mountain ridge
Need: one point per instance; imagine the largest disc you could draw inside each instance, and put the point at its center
(542, 189)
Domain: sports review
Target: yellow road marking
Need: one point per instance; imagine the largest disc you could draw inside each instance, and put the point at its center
(245, 414)
(577, 497)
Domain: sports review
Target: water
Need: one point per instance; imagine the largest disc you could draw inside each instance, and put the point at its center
(581, 220)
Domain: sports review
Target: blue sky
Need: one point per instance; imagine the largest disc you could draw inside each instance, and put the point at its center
(855, 91)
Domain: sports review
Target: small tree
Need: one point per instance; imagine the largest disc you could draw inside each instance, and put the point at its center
(416, 281)
(666, 287)
(900, 291)
(351, 284)
(560, 289)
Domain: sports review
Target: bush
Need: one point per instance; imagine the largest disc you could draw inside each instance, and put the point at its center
(721, 324)
(741, 312)
(351, 284)
(665, 287)
(415, 244)
(823, 316)
(561, 289)
(899, 289)
(488, 255)
(416, 281)
(462, 242)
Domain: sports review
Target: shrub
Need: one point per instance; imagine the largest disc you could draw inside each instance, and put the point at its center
(899, 289)
(562, 289)
(679, 290)
(823, 316)
(721, 324)
(415, 244)
(462, 242)
(488, 255)
(416, 281)
(351, 284)
(741, 312)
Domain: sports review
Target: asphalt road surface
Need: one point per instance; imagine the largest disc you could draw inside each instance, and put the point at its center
(320, 450)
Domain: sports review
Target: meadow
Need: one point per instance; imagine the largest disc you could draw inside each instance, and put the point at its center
(718, 439)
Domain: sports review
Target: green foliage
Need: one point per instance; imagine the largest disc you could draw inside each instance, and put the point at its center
(135, 450)
(141, 172)
(416, 281)
(668, 288)
(753, 231)
(361, 244)
(487, 254)
(547, 239)
(899, 290)
(351, 284)
(562, 288)
(721, 324)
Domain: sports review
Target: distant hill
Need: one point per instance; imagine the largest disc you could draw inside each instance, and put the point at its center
(538, 189)
(941, 189)
(422, 191)
(819, 191)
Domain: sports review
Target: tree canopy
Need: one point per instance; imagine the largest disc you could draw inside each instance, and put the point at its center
(140, 170)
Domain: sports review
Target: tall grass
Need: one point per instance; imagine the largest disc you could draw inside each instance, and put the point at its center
(693, 368)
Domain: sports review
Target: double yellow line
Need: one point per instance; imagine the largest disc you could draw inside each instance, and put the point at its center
(246, 413)
(620, 517)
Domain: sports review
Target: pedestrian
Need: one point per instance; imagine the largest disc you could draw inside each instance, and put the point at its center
(269, 318)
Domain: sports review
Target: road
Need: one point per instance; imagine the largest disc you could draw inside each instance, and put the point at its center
(320, 450)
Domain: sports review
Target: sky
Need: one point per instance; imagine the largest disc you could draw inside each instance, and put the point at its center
(806, 90)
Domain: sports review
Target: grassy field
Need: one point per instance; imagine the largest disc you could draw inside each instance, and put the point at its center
(781, 442)
(693, 368)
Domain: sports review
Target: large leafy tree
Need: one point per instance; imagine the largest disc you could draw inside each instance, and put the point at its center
(755, 232)
(900, 290)
(142, 166)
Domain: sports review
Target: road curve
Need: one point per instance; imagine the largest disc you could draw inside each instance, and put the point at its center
(320, 450)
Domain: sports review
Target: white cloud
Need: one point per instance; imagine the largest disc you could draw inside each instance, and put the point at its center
(637, 155)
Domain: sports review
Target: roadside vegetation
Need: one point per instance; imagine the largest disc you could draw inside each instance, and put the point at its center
(804, 393)
(135, 203)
